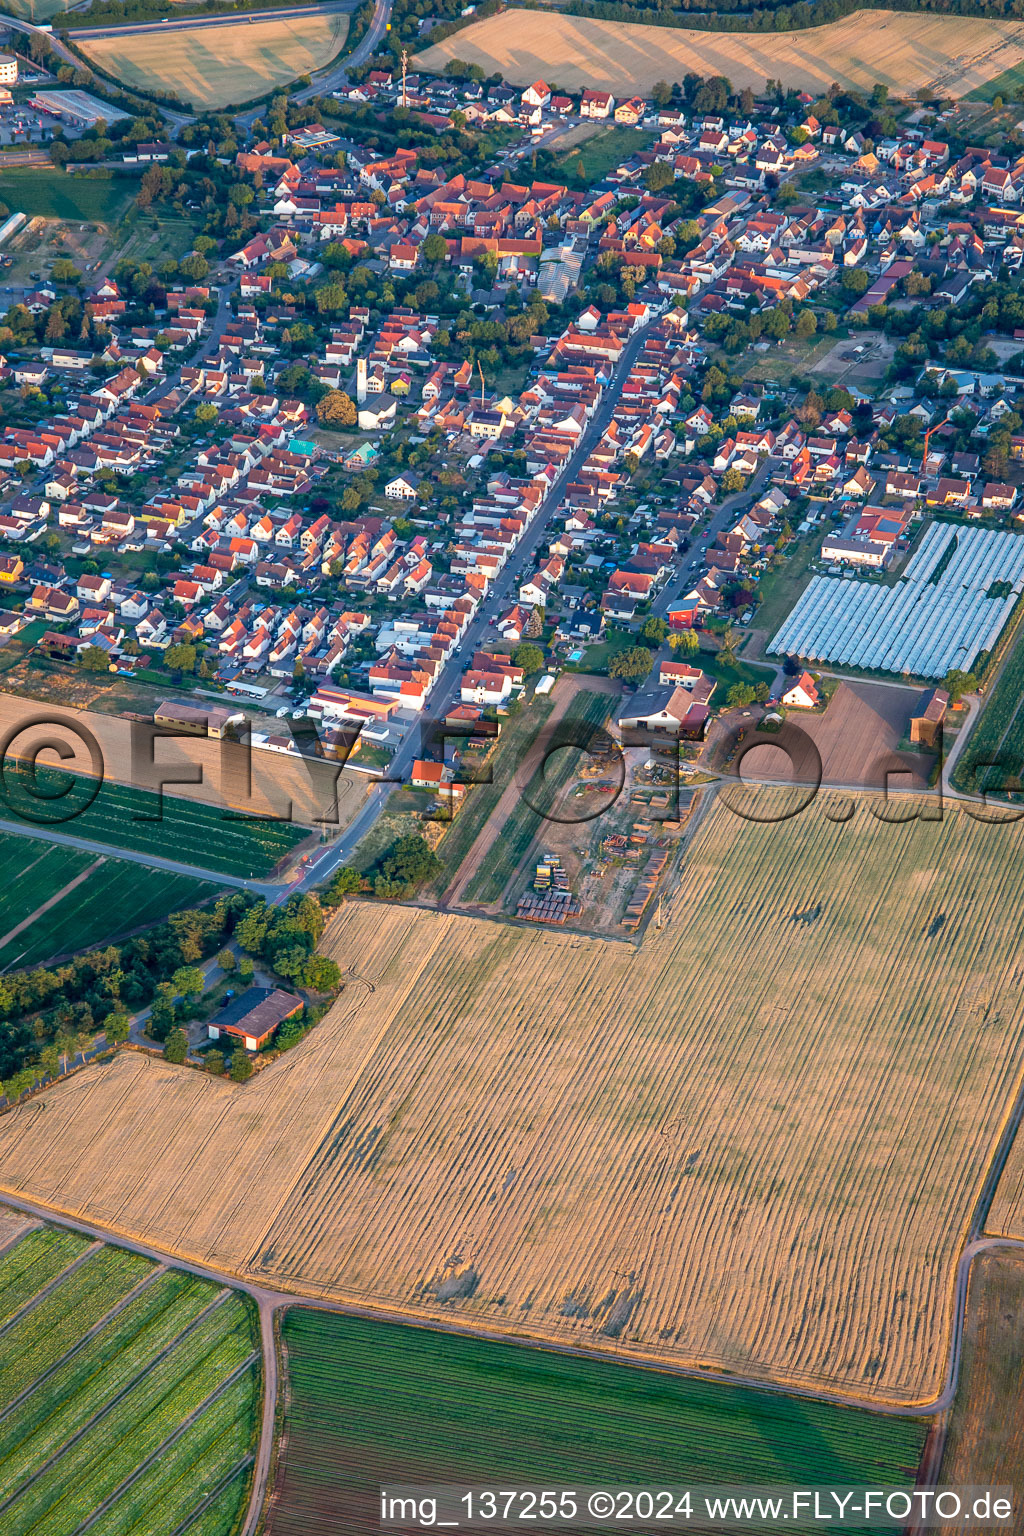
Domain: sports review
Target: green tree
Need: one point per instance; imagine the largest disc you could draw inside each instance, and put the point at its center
(739, 695)
(434, 248)
(957, 683)
(214, 1063)
(65, 271)
(632, 665)
(181, 658)
(658, 176)
(684, 642)
(206, 413)
(336, 409)
(653, 630)
(806, 325)
(529, 657)
(321, 974)
(188, 981)
(116, 1026)
(346, 882)
(241, 1067)
(176, 1048)
(226, 960)
(733, 480)
(93, 658)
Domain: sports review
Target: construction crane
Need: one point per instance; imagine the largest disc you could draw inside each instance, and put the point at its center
(481, 373)
(928, 438)
(405, 65)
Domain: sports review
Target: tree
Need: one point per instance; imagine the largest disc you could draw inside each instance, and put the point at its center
(632, 665)
(241, 1067)
(93, 658)
(529, 657)
(806, 325)
(957, 683)
(661, 95)
(653, 630)
(188, 981)
(684, 643)
(346, 882)
(739, 695)
(854, 280)
(321, 974)
(658, 176)
(206, 413)
(409, 861)
(245, 969)
(336, 409)
(733, 480)
(176, 1048)
(226, 960)
(214, 1063)
(65, 271)
(116, 1026)
(434, 248)
(181, 658)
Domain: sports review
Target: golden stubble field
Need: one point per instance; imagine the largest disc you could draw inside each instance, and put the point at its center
(904, 51)
(217, 66)
(752, 1142)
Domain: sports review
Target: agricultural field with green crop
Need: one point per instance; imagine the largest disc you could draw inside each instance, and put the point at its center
(56, 195)
(55, 899)
(128, 1396)
(376, 1403)
(994, 754)
(526, 821)
(120, 816)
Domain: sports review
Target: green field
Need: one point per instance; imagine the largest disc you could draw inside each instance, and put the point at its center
(55, 195)
(116, 897)
(994, 753)
(377, 1403)
(525, 822)
(187, 831)
(128, 1400)
(1009, 85)
(607, 149)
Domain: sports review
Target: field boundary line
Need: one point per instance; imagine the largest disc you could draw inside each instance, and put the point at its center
(106, 1407)
(69, 1354)
(33, 1301)
(27, 922)
(185, 1425)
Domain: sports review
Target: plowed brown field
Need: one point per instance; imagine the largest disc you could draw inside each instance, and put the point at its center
(753, 1141)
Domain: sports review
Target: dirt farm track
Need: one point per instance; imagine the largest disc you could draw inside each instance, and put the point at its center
(753, 1142)
(901, 50)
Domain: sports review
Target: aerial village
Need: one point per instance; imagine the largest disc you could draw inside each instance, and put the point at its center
(419, 442)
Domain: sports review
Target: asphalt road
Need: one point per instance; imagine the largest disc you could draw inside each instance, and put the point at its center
(231, 19)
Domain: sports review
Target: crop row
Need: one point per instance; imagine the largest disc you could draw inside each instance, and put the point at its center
(32, 1263)
(221, 1517)
(42, 1336)
(88, 1471)
(79, 1388)
(189, 830)
(187, 1473)
(110, 1471)
(535, 1416)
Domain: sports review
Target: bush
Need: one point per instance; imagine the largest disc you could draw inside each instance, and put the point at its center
(241, 1067)
(176, 1048)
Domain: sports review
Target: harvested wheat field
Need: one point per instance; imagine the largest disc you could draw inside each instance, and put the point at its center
(754, 1141)
(899, 49)
(220, 66)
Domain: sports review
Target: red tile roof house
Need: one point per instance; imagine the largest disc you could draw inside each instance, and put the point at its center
(253, 1017)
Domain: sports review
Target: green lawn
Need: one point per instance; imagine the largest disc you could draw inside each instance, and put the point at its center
(779, 590)
(607, 149)
(95, 1432)
(55, 195)
(184, 830)
(372, 1404)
